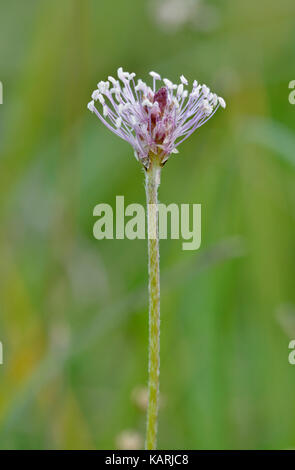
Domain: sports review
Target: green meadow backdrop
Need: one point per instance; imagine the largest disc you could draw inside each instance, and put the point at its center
(73, 310)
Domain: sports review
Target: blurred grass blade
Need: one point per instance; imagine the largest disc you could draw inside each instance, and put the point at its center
(272, 135)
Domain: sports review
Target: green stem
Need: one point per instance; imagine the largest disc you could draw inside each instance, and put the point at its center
(152, 184)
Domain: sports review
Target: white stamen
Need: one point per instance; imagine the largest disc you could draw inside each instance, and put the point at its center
(205, 90)
(207, 108)
(138, 118)
(91, 106)
(222, 102)
(103, 86)
(113, 81)
(169, 84)
(118, 122)
(95, 95)
(155, 75)
(141, 86)
(195, 93)
(117, 95)
(101, 99)
(180, 90)
(121, 74)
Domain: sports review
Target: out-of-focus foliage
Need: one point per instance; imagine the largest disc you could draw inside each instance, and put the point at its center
(73, 310)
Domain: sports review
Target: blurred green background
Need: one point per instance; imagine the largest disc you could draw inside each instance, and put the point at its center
(73, 310)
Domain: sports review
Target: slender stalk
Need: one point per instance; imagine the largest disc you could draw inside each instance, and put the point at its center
(152, 184)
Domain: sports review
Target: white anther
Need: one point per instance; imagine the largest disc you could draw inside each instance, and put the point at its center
(91, 106)
(207, 108)
(121, 74)
(179, 90)
(113, 80)
(95, 95)
(141, 86)
(168, 83)
(222, 102)
(101, 99)
(195, 93)
(205, 90)
(155, 75)
(183, 80)
(100, 85)
(103, 86)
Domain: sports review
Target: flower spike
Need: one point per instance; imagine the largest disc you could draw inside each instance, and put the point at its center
(153, 121)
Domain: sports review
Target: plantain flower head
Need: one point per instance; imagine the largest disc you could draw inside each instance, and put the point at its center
(154, 119)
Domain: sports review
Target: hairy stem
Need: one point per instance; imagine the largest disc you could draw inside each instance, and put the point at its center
(152, 184)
